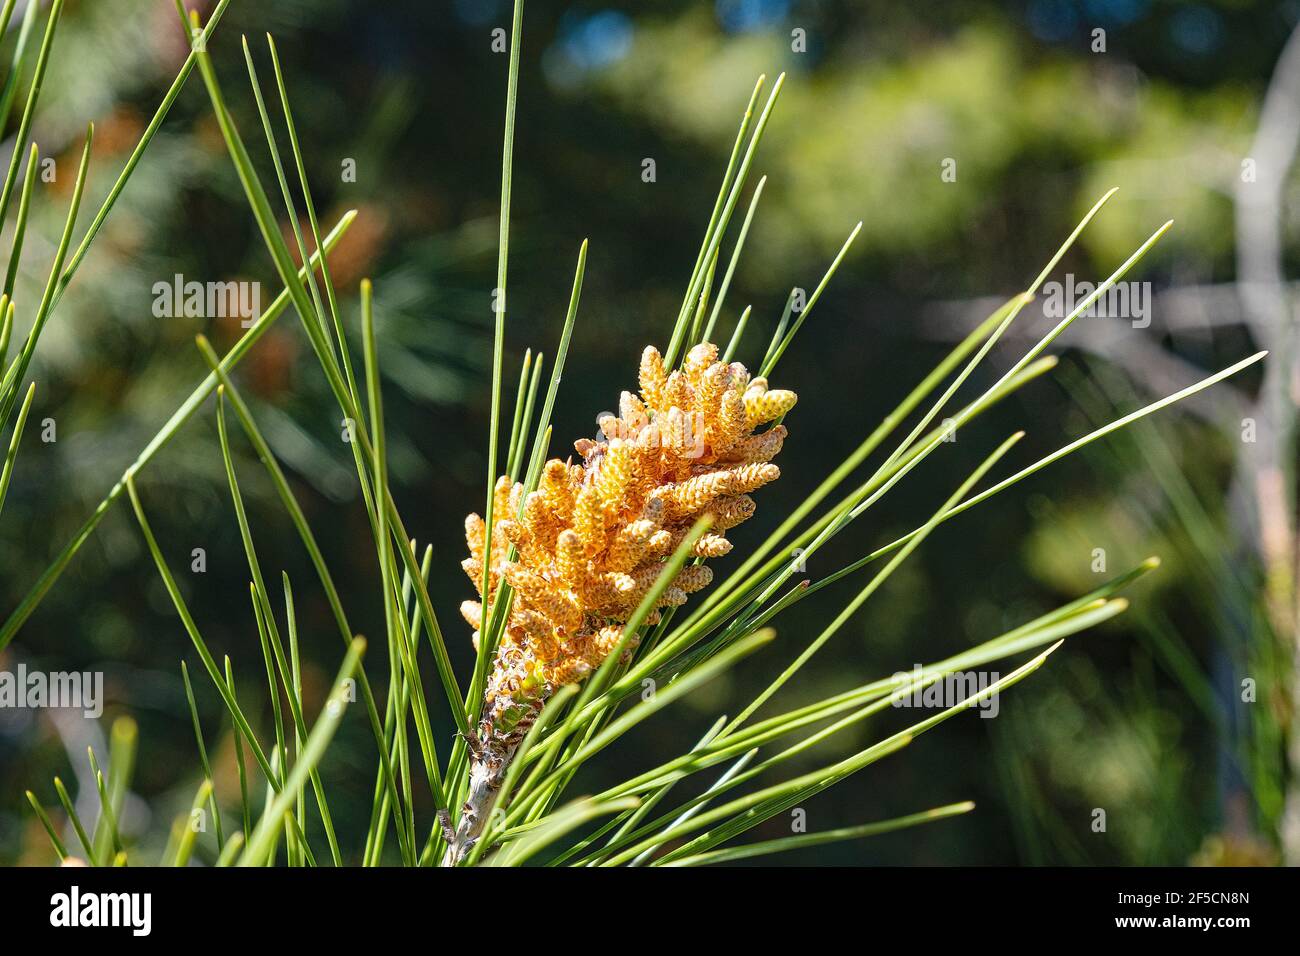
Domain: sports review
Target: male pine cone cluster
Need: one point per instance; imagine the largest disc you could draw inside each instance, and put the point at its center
(591, 540)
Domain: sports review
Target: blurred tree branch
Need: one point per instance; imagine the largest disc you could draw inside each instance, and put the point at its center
(1263, 486)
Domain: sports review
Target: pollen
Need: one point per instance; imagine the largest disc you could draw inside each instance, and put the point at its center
(583, 551)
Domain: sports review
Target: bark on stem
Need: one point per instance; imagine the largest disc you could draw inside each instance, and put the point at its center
(487, 769)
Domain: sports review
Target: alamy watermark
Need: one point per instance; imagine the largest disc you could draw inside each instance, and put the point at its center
(951, 690)
(207, 300)
(1123, 300)
(70, 690)
(75, 908)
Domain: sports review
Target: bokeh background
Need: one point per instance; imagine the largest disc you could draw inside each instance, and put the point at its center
(1142, 718)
